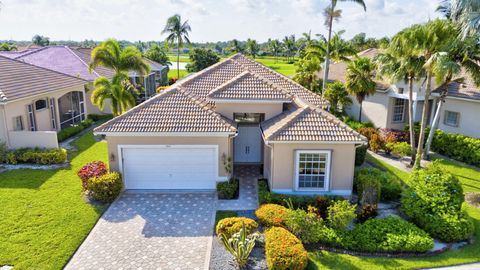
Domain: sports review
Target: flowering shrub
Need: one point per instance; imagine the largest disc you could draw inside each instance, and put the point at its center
(105, 188)
(272, 215)
(284, 251)
(93, 169)
(232, 225)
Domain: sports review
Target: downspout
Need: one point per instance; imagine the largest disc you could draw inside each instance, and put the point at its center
(5, 125)
(271, 160)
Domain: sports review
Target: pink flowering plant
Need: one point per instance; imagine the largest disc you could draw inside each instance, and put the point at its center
(93, 169)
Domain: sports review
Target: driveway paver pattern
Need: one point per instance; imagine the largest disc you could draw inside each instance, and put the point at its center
(248, 198)
(151, 231)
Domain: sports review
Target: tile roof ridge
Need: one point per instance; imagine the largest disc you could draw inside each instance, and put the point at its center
(272, 84)
(81, 60)
(290, 118)
(229, 82)
(339, 123)
(50, 70)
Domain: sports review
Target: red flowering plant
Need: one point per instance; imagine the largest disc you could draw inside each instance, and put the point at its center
(93, 169)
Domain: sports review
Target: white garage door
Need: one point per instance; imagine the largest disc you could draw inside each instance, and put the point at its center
(170, 167)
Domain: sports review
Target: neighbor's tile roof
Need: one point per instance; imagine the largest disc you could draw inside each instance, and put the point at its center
(248, 86)
(174, 110)
(308, 124)
(466, 89)
(19, 80)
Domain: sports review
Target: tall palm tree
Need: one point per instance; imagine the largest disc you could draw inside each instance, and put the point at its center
(275, 47)
(359, 80)
(110, 55)
(400, 63)
(331, 14)
(177, 34)
(337, 94)
(235, 46)
(466, 13)
(252, 47)
(290, 46)
(306, 73)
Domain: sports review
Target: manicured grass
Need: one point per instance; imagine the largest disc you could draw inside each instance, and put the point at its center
(221, 214)
(280, 66)
(172, 73)
(173, 59)
(470, 179)
(43, 217)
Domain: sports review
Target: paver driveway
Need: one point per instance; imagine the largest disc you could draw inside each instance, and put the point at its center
(151, 231)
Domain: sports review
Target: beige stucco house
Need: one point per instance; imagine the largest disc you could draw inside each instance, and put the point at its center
(36, 102)
(236, 109)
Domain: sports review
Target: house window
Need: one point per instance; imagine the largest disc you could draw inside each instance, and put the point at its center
(40, 104)
(312, 169)
(17, 123)
(400, 90)
(71, 108)
(31, 118)
(451, 118)
(248, 118)
(399, 110)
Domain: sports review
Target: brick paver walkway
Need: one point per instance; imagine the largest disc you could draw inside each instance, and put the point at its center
(248, 197)
(151, 231)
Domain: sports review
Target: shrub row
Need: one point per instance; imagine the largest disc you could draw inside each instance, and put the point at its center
(434, 202)
(99, 117)
(457, 146)
(70, 131)
(388, 186)
(228, 190)
(230, 226)
(283, 250)
(35, 156)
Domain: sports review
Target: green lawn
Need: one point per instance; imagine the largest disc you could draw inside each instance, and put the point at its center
(43, 217)
(280, 66)
(173, 59)
(172, 73)
(470, 179)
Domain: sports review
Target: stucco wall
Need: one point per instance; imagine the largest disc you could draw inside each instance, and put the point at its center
(42, 139)
(227, 109)
(375, 109)
(469, 123)
(342, 165)
(266, 161)
(224, 146)
(93, 109)
(3, 131)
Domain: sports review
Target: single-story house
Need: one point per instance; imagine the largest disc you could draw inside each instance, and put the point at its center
(36, 102)
(235, 110)
(74, 61)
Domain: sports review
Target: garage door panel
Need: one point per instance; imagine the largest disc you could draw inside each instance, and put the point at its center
(174, 167)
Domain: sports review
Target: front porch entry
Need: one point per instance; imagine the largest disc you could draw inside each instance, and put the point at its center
(248, 143)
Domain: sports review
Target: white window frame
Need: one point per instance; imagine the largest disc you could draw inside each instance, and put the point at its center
(395, 106)
(326, 185)
(445, 118)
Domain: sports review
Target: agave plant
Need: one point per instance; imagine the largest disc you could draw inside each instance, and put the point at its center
(240, 245)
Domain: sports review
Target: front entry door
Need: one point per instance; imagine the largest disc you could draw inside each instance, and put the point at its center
(248, 145)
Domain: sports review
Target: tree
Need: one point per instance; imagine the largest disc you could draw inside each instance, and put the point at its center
(201, 58)
(235, 46)
(306, 73)
(399, 62)
(331, 14)
(275, 47)
(252, 47)
(465, 13)
(41, 40)
(110, 55)
(157, 54)
(177, 32)
(8, 47)
(337, 94)
(290, 46)
(359, 80)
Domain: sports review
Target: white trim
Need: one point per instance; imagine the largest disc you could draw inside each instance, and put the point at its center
(463, 99)
(159, 146)
(339, 192)
(166, 134)
(319, 142)
(255, 101)
(327, 169)
(222, 178)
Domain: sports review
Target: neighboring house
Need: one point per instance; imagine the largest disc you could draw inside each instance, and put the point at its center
(36, 102)
(238, 109)
(388, 107)
(75, 61)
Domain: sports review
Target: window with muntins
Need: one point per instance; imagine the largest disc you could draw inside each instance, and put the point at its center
(451, 118)
(399, 110)
(312, 169)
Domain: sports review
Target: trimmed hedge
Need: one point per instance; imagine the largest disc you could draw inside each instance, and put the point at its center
(228, 190)
(272, 215)
(232, 225)
(457, 146)
(434, 202)
(36, 156)
(73, 130)
(284, 251)
(105, 188)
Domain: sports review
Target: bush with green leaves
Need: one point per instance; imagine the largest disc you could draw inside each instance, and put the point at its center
(340, 214)
(98, 117)
(434, 201)
(399, 149)
(354, 124)
(272, 215)
(201, 59)
(304, 225)
(73, 130)
(36, 156)
(3, 152)
(228, 190)
(360, 154)
(240, 245)
(105, 188)
(366, 212)
(390, 186)
(232, 225)
(390, 234)
(284, 251)
(457, 146)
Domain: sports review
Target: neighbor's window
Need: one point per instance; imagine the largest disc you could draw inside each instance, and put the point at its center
(17, 123)
(312, 169)
(399, 110)
(40, 104)
(248, 118)
(451, 118)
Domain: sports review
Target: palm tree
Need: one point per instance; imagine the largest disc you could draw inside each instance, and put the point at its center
(290, 46)
(8, 47)
(157, 54)
(359, 80)
(337, 94)
(252, 47)
(177, 33)
(110, 55)
(275, 47)
(235, 46)
(400, 63)
(306, 73)
(466, 13)
(331, 14)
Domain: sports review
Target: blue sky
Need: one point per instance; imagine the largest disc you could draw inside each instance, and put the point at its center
(211, 20)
